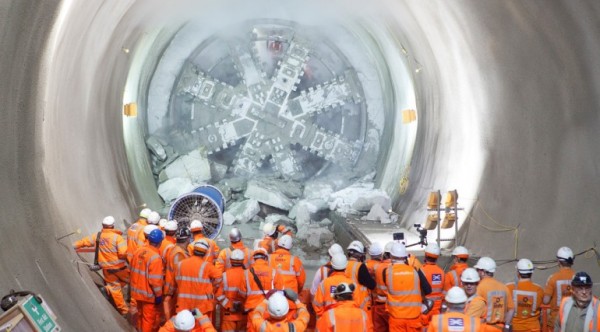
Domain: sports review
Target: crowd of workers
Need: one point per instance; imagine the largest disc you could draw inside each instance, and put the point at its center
(179, 280)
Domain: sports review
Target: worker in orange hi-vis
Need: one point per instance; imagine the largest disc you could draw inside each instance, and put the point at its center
(233, 317)
(188, 321)
(272, 315)
(197, 229)
(526, 297)
(288, 266)
(454, 318)
(133, 231)
(175, 255)
(270, 236)
(325, 270)
(147, 281)
(435, 277)
(112, 252)
(379, 313)
(406, 288)
(558, 285)
(195, 280)
(581, 310)
(375, 257)
(500, 305)
(324, 297)
(476, 305)
(460, 255)
(344, 315)
(359, 273)
(224, 259)
(170, 228)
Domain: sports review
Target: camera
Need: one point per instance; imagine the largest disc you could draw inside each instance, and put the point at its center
(399, 236)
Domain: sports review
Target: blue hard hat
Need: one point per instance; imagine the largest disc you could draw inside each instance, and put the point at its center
(156, 236)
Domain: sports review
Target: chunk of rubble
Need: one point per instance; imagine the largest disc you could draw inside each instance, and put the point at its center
(278, 219)
(268, 195)
(193, 166)
(317, 190)
(173, 188)
(241, 212)
(359, 197)
(237, 184)
(377, 213)
(218, 171)
(312, 206)
(316, 237)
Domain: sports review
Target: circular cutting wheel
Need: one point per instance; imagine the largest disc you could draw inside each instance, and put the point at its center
(205, 203)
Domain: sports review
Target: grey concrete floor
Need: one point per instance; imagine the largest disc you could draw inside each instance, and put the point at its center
(525, 73)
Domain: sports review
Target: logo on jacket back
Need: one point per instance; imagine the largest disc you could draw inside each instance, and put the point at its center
(456, 324)
(436, 279)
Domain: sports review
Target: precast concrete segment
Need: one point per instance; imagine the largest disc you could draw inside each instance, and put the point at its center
(519, 78)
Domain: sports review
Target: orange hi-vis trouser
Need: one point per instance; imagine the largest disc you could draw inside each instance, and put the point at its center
(233, 322)
(115, 281)
(148, 316)
(380, 317)
(405, 325)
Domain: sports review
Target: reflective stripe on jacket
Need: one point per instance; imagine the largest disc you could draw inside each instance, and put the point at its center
(146, 274)
(213, 247)
(229, 292)
(324, 296)
(454, 321)
(176, 255)
(404, 291)
(194, 278)
(362, 295)
(344, 317)
(266, 275)
(132, 233)
(224, 261)
(591, 322)
(290, 269)
(112, 249)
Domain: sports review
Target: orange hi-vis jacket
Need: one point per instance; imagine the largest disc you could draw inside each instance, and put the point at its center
(414, 262)
(454, 322)
(229, 293)
(290, 269)
(112, 249)
(527, 298)
(203, 324)
(267, 243)
(362, 295)
(558, 287)
(476, 307)
(323, 272)
(213, 247)
(404, 291)
(452, 278)
(262, 322)
(497, 297)
(132, 237)
(195, 278)
(146, 274)
(380, 291)
(324, 296)
(344, 316)
(250, 289)
(176, 255)
(435, 277)
(372, 266)
(224, 261)
(166, 246)
(592, 317)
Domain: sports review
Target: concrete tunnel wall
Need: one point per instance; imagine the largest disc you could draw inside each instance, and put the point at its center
(523, 77)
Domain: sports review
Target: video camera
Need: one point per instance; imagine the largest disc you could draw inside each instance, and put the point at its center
(399, 236)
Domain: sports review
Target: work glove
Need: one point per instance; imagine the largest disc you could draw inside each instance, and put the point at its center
(197, 313)
(290, 294)
(158, 300)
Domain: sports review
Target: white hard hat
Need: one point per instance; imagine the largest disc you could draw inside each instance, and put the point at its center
(196, 225)
(285, 242)
(149, 228)
(461, 252)
(184, 321)
(388, 247)
(269, 229)
(456, 295)
(339, 262)
(153, 218)
(162, 223)
(278, 305)
(235, 235)
(564, 253)
(486, 264)
(356, 246)
(171, 226)
(335, 249)
(375, 249)
(260, 252)
(145, 213)
(201, 246)
(398, 250)
(470, 275)
(344, 288)
(108, 221)
(432, 250)
(237, 255)
(524, 266)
